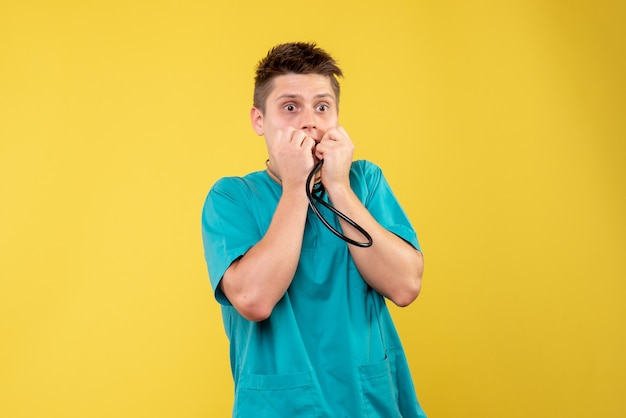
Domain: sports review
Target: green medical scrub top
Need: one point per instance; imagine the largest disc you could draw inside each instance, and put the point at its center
(329, 348)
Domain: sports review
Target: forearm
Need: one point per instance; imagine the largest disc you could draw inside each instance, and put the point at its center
(258, 280)
(391, 265)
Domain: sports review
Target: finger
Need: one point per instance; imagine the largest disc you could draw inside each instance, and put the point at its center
(343, 131)
(328, 136)
(320, 151)
(308, 143)
(335, 134)
(289, 135)
(298, 137)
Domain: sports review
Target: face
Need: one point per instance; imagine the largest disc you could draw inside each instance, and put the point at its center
(300, 101)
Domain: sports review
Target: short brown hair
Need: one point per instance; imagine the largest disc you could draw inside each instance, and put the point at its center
(293, 58)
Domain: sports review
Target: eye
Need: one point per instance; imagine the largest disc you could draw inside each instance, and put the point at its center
(289, 107)
(323, 107)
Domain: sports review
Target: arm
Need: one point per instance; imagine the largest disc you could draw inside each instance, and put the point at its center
(391, 266)
(255, 282)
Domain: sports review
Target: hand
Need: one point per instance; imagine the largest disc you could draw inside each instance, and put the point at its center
(291, 156)
(336, 149)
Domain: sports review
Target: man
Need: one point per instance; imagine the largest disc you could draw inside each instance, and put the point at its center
(304, 311)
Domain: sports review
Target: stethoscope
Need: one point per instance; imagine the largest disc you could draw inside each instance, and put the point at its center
(317, 193)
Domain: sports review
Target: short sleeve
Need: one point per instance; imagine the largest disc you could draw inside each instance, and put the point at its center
(371, 186)
(228, 229)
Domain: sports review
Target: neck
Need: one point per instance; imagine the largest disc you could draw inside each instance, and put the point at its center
(273, 174)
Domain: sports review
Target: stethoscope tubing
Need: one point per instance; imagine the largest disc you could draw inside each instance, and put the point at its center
(315, 193)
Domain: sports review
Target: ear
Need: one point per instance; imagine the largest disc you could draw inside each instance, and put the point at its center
(256, 118)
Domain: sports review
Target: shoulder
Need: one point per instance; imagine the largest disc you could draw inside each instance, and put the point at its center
(254, 193)
(365, 176)
(364, 170)
(236, 186)
(364, 167)
(227, 185)
(226, 195)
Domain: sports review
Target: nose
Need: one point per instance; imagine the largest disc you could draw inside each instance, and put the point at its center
(308, 120)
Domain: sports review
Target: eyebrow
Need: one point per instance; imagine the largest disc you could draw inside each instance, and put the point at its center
(299, 96)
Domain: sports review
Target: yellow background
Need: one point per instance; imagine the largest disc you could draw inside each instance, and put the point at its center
(500, 125)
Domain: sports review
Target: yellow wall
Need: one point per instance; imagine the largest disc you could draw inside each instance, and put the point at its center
(499, 124)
